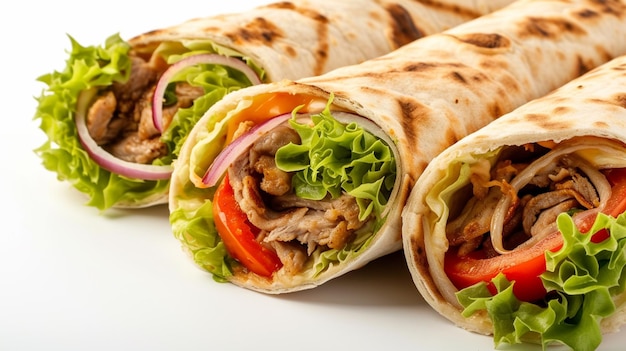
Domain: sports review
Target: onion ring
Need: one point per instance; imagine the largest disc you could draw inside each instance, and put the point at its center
(106, 160)
(159, 91)
(237, 146)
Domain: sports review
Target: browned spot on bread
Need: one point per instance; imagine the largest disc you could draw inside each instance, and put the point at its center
(321, 51)
(264, 32)
(559, 110)
(259, 31)
(534, 117)
(496, 109)
(290, 50)
(619, 99)
(486, 40)
(451, 137)
(490, 65)
(548, 27)
(457, 76)
(544, 121)
(428, 66)
(619, 68)
(606, 55)
(419, 66)
(407, 109)
(375, 15)
(584, 67)
(600, 124)
(282, 5)
(586, 13)
(404, 29)
(444, 7)
(420, 254)
(509, 84)
(614, 7)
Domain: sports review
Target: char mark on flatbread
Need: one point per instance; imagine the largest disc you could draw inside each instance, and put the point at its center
(404, 29)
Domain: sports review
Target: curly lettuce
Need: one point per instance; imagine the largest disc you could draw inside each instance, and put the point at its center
(582, 278)
(333, 158)
(99, 67)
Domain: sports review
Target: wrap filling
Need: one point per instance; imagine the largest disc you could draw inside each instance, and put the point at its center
(104, 119)
(528, 215)
(311, 190)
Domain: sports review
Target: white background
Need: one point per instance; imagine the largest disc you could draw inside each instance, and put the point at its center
(72, 278)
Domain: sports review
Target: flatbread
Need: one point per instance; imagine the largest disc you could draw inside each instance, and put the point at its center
(284, 40)
(424, 96)
(592, 106)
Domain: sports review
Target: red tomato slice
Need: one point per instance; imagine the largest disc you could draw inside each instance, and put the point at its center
(525, 266)
(238, 234)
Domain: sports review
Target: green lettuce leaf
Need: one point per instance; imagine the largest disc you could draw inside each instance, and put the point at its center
(196, 231)
(582, 278)
(333, 158)
(98, 67)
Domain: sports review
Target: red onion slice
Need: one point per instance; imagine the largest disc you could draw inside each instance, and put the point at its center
(237, 146)
(107, 160)
(159, 91)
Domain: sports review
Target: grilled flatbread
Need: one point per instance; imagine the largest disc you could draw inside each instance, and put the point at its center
(414, 103)
(131, 119)
(491, 203)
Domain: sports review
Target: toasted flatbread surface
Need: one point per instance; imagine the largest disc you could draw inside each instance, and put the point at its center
(425, 96)
(588, 110)
(282, 40)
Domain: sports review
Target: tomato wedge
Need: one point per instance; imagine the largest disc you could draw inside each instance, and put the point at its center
(525, 266)
(239, 235)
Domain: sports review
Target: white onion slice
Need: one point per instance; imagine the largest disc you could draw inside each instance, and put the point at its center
(237, 146)
(106, 160)
(159, 91)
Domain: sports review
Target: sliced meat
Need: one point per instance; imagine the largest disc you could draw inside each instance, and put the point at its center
(274, 181)
(142, 77)
(271, 141)
(185, 96)
(475, 220)
(569, 190)
(265, 194)
(134, 149)
(547, 219)
(542, 202)
(251, 202)
(313, 229)
(121, 118)
(262, 155)
(292, 256)
(99, 119)
(583, 190)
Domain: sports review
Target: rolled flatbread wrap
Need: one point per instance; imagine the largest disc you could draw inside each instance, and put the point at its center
(116, 116)
(518, 230)
(284, 186)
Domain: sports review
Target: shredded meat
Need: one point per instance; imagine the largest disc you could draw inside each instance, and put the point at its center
(273, 181)
(185, 95)
(133, 149)
(120, 119)
(292, 256)
(293, 226)
(475, 219)
(99, 119)
(559, 189)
